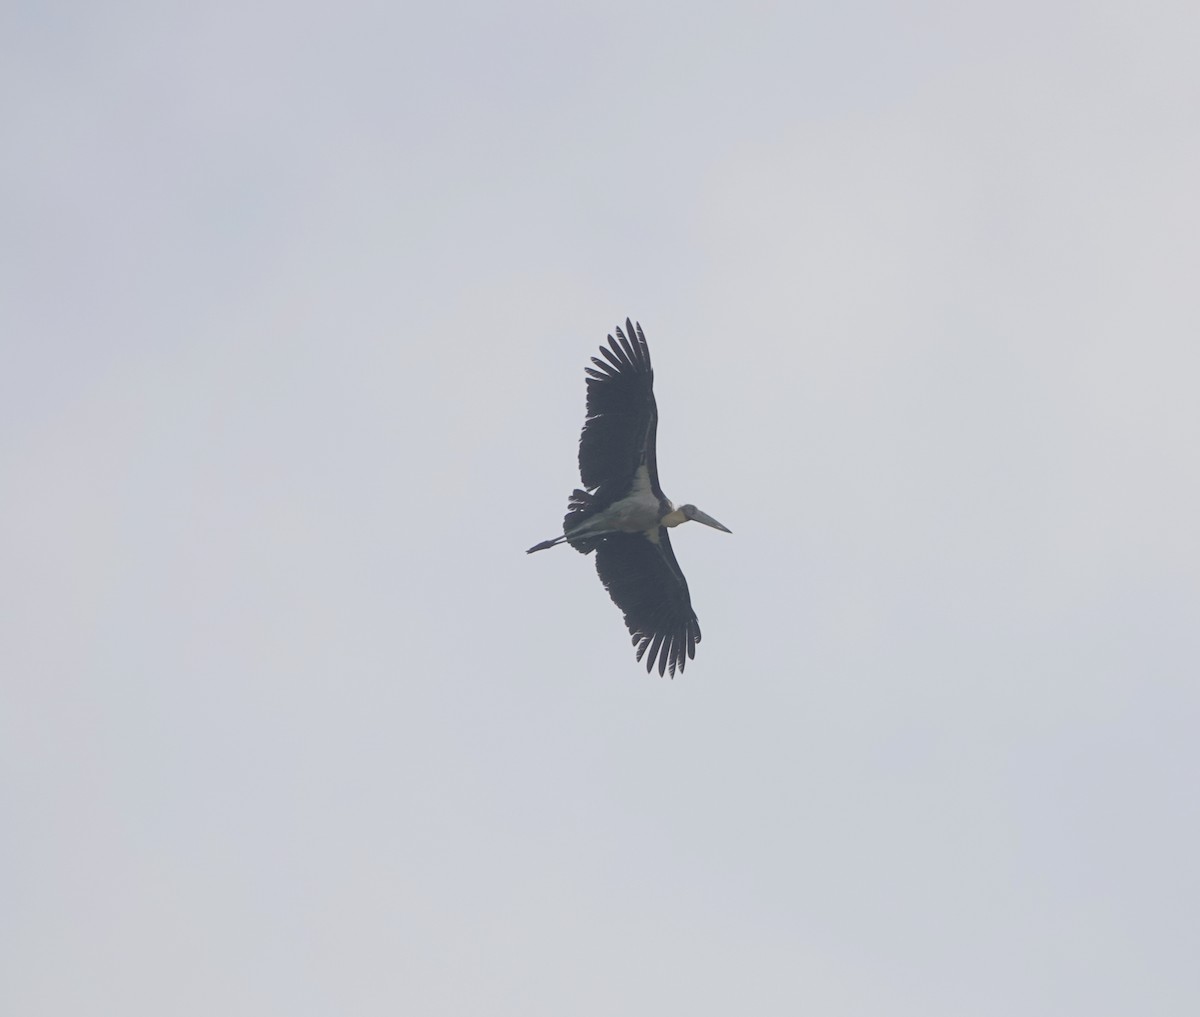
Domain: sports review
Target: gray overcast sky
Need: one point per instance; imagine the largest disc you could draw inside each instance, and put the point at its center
(295, 303)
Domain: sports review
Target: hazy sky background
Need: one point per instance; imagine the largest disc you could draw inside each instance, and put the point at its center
(295, 301)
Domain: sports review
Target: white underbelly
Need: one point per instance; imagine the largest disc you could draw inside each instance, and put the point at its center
(634, 514)
(637, 512)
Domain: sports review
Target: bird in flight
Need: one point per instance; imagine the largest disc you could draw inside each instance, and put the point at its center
(622, 514)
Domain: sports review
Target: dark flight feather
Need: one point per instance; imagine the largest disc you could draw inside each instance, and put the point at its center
(646, 583)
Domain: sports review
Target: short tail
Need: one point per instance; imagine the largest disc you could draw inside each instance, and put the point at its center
(578, 509)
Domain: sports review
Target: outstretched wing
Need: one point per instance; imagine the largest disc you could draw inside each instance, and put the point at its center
(644, 581)
(622, 419)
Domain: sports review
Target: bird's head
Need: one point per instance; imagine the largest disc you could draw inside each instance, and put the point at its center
(691, 512)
